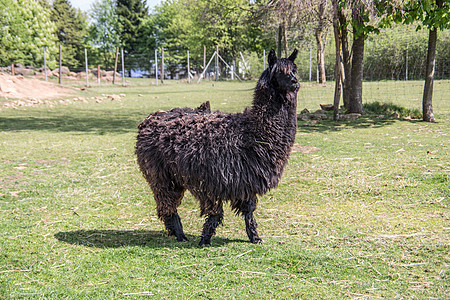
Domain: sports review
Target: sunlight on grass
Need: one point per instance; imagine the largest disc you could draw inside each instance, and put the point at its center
(364, 214)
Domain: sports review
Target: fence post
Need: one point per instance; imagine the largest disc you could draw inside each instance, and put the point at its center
(115, 65)
(264, 59)
(13, 72)
(87, 70)
(217, 62)
(45, 66)
(156, 66)
(123, 69)
(162, 65)
(204, 57)
(188, 68)
(310, 63)
(98, 74)
(406, 62)
(60, 64)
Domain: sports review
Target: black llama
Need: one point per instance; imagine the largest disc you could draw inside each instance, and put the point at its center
(219, 156)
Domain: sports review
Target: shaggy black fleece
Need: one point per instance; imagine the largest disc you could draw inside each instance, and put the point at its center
(219, 156)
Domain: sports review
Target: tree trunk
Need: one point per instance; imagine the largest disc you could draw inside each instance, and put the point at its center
(280, 39)
(285, 43)
(337, 87)
(427, 105)
(356, 80)
(321, 76)
(346, 76)
(355, 103)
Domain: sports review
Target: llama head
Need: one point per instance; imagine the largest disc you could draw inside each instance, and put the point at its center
(282, 72)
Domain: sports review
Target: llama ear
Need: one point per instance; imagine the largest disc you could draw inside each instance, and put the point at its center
(272, 58)
(293, 55)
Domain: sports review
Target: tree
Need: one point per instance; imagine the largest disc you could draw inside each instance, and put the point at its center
(131, 14)
(71, 30)
(227, 24)
(361, 13)
(182, 25)
(433, 14)
(174, 30)
(356, 71)
(346, 58)
(337, 39)
(320, 34)
(104, 29)
(25, 28)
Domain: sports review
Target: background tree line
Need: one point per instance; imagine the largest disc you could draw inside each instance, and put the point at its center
(369, 33)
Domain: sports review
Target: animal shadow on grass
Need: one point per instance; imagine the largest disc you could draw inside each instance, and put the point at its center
(366, 121)
(81, 121)
(127, 238)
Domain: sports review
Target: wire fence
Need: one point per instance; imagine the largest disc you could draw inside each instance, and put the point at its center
(385, 59)
(380, 63)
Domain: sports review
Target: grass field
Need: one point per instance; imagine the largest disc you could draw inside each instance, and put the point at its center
(366, 215)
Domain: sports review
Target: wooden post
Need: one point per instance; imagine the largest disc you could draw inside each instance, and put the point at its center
(13, 72)
(98, 74)
(87, 70)
(60, 64)
(204, 57)
(156, 66)
(45, 66)
(162, 65)
(115, 65)
(188, 68)
(123, 69)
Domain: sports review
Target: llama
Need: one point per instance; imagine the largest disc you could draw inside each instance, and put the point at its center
(219, 156)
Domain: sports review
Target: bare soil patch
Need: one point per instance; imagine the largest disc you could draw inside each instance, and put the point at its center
(19, 87)
(304, 149)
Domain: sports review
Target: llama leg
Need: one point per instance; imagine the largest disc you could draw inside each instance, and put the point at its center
(166, 206)
(250, 222)
(209, 228)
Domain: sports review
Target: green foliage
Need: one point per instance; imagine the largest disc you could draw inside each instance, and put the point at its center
(253, 66)
(192, 24)
(71, 31)
(174, 31)
(131, 14)
(389, 109)
(432, 14)
(25, 28)
(104, 29)
(385, 56)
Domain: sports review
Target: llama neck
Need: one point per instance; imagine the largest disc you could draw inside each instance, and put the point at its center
(274, 117)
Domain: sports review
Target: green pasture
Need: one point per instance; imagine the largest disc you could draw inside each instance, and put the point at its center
(362, 210)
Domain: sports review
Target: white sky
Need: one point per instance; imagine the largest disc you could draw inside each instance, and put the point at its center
(85, 5)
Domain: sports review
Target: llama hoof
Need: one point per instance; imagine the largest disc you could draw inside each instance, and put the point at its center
(257, 240)
(204, 242)
(182, 238)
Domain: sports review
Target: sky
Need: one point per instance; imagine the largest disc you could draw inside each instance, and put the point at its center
(85, 5)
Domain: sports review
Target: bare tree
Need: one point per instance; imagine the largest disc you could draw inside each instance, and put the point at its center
(320, 33)
(337, 38)
(346, 58)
